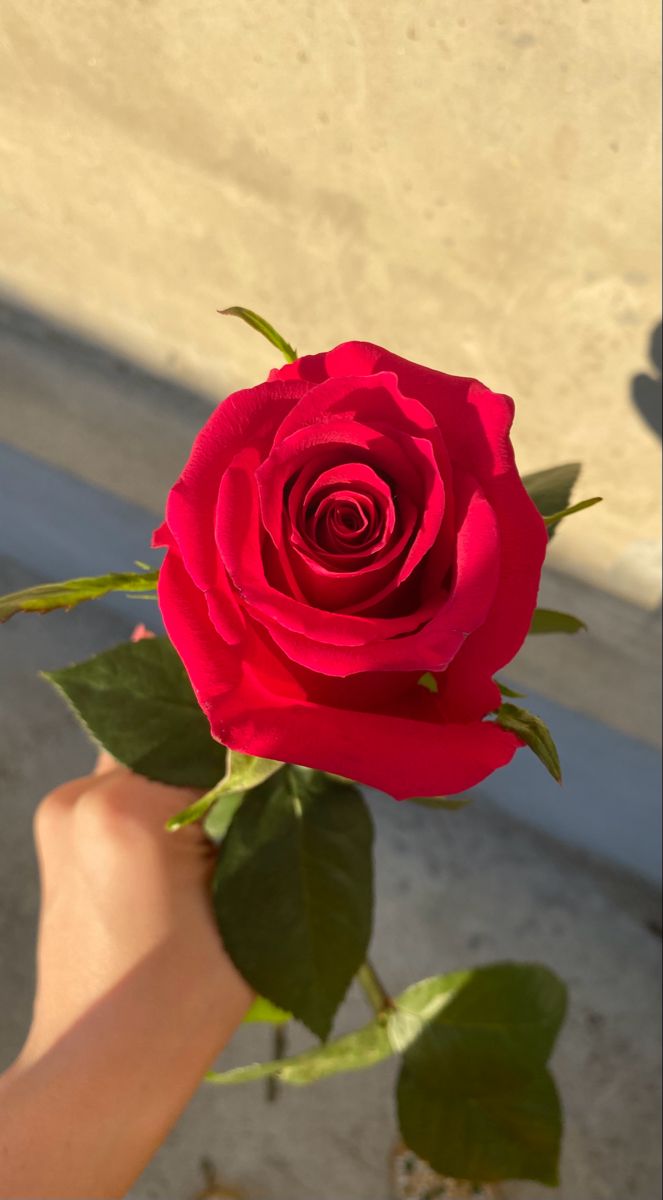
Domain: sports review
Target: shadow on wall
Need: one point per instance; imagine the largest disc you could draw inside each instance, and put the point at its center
(73, 350)
(23, 324)
(83, 407)
(646, 389)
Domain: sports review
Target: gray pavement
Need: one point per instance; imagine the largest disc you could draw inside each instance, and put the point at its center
(453, 889)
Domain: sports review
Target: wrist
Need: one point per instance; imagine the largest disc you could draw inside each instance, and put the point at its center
(198, 990)
(97, 1121)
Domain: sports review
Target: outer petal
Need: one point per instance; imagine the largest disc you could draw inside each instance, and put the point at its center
(524, 541)
(212, 666)
(257, 706)
(373, 398)
(474, 421)
(245, 418)
(400, 756)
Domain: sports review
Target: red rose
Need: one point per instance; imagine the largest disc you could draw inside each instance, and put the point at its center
(340, 530)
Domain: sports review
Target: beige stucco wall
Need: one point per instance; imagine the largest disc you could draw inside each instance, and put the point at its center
(473, 185)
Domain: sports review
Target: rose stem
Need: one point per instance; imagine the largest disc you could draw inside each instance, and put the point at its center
(280, 1046)
(374, 990)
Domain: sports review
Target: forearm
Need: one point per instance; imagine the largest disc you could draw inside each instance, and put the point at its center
(82, 1117)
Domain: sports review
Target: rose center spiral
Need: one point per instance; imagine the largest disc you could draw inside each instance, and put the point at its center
(344, 522)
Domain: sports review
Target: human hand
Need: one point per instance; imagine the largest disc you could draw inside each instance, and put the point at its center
(135, 995)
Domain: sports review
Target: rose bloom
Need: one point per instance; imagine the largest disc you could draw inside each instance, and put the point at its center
(354, 523)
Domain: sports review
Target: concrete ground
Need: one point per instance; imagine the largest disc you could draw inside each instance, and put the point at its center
(454, 889)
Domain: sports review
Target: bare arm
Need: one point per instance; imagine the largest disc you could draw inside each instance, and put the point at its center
(135, 995)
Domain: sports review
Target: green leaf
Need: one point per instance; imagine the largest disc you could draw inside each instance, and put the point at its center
(263, 327)
(474, 1097)
(293, 891)
(534, 733)
(413, 1010)
(508, 1125)
(429, 682)
(219, 819)
(509, 692)
(451, 803)
(523, 1005)
(380, 1039)
(194, 812)
(263, 1011)
(556, 517)
(551, 489)
(354, 1052)
(247, 771)
(137, 702)
(243, 771)
(551, 492)
(547, 620)
(47, 596)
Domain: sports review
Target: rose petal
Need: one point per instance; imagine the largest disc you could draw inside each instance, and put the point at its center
(475, 425)
(247, 417)
(415, 757)
(338, 644)
(411, 464)
(212, 666)
(256, 706)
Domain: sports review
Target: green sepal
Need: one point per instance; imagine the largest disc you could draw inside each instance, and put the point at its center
(548, 620)
(551, 492)
(556, 517)
(534, 732)
(551, 488)
(262, 326)
(451, 803)
(45, 597)
(243, 772)
(509, 692)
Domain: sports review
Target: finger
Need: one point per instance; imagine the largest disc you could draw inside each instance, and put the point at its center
(105, 763)
(140, 632)
(51, 812)
(66, 794)
(117, 789)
